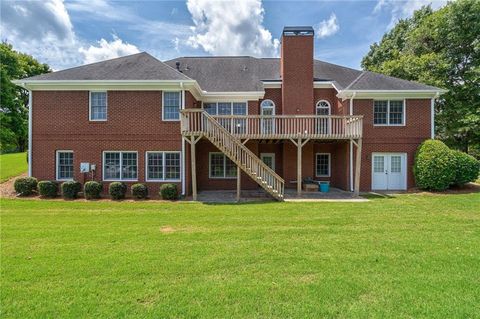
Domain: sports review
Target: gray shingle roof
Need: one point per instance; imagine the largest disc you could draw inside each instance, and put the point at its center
(140, 66)
(224, 74)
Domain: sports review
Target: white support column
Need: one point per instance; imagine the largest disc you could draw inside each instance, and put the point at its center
(299, 167)
(239, 174)
(194, 168)
(30, 142)
(358, 162)
(432, 118)
(351, 147)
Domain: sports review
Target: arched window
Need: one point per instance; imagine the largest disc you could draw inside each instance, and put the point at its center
(267, 108)
(323, 124)
(323, 108)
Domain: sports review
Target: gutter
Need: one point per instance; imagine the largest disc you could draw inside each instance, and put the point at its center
(351, 145)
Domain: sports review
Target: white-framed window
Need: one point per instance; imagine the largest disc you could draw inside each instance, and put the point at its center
(64, 166)
(171, 105)
(322, 165)
(98, 101)
(267, 108)
(389, 112)
(220, 166)
(120, 166)
(235, 125)
(162, 166)
(323, 125)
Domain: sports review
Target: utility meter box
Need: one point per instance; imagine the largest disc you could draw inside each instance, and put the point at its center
(84, 167)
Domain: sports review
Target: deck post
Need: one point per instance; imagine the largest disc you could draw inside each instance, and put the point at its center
(239, 171)
(358, 162)
(194, 169)
(299, 167)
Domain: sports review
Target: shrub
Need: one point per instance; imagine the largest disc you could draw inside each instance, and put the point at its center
(25, 186)
(434, 166)
(139, 191)
(92, 190)
(71, 189)
(48, 188)
(169, 191)
(466, 168)
(117, 190)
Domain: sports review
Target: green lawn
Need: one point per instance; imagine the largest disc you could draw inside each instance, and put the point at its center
(12, 165)
(412, 256)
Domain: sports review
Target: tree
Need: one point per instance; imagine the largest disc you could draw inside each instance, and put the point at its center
(439, 48)
(14, 99)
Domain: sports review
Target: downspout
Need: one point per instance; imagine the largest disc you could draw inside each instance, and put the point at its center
(29, 132)
(432, 116)
(351, 145)
(183, 145)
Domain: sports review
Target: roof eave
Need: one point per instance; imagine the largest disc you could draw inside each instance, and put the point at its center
(429, 93)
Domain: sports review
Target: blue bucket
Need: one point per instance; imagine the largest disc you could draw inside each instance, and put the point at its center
(324, 187)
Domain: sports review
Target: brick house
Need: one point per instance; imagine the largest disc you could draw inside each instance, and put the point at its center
(219, 123)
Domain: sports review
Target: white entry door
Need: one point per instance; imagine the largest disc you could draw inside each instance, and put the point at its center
(268, 159)
(389, 171)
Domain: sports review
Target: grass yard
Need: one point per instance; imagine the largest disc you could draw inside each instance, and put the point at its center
(413, 256)
(12, 165)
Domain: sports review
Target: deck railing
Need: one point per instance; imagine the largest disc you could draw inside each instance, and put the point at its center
(280, 126)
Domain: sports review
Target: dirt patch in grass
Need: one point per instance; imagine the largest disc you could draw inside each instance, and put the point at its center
(166, 229)
(6, 188)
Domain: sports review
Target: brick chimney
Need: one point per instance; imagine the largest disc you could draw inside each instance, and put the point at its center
(296, 70)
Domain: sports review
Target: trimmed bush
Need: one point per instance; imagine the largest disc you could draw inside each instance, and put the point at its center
(117, 190)
(92, 190)
(169, 191)
(467, 168)
(48, 188)
(25, 186)
(71, 189)
(139, 191)
(434, 167)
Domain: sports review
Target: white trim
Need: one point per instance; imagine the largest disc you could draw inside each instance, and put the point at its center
(224, 166)
(390, 94)
(163, 106)
(351, 145)
(329, 164)
(248, 95)
(404, 115)
(164, 167)
(121, 167)
(90, 105)
(432, 118)
(272, 84)
(57, 152)
(30, 142)
(405, 168)
(272, 155)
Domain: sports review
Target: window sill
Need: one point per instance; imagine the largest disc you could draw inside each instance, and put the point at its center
(232, 178)
(162, 181)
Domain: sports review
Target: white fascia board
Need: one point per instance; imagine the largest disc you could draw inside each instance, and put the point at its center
(323, 85)
(272, 84)
(231, 96)
(373, 94)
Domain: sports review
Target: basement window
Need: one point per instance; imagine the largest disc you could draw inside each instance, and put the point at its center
(388, 112)
(163, 166)
(322, 165)
(120, 166)
(64, 165)
(220, 166)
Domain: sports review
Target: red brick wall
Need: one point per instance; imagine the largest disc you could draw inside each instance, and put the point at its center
(276, 96)
(297, 74)
(60, 122)
(328, 95)
(401, 139)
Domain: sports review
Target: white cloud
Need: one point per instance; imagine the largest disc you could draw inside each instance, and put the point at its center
(404, 9)
(44, 30)
(328, 27)
(230, 28)
(107, 50)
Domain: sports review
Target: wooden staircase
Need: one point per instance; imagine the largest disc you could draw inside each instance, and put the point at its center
(199, 123)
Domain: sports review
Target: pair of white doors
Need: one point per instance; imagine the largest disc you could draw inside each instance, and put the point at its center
(389, 171)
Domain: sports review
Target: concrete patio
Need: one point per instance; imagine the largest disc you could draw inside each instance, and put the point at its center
(229, 196)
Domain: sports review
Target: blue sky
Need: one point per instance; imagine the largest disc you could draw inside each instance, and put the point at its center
(69, 33)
